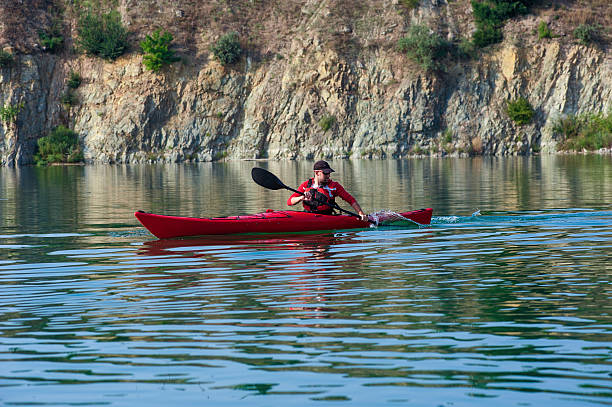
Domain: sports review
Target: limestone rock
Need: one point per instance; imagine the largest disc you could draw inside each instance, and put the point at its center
(275, 109)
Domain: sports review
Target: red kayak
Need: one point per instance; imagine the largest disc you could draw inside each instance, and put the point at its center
(267, 222)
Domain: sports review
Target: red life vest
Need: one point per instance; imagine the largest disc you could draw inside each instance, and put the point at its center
(316, 207)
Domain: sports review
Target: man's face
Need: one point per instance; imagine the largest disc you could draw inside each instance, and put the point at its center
(321, 177)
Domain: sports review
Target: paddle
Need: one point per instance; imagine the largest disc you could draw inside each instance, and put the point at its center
(268, 180)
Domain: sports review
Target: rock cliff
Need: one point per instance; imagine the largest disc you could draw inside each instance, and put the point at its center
(325, 62)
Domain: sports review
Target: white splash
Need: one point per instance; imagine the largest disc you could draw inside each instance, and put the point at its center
(387, 217)
(444, 219)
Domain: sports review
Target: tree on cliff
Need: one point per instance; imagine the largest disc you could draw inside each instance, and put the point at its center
(102, 35)
(156, 50)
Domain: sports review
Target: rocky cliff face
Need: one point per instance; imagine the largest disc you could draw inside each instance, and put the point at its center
(269, 105)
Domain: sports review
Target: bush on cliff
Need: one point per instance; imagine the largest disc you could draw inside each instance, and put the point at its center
(520, 111)
(326, 122)
(69, 99)
(9, 113)
(156, 50)
(587, 33)
(74, 81)
(61, 146)
(6, 58)
(102, 35)
(227, 49)
(544, 31)
(410, 4)
(52, 39)
(486, 36)
(584, 132)
(425, 48)
(490, 16)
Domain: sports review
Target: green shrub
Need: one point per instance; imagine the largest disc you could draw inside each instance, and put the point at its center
(219, 155)
(6, 58)
(487, 36)
(490, 16)
(448, 136)
(584, 132)
(520, 111)
(227, 49)
(74, 81)
(102, 35)
(485, 15)
(587, 33)
(410, 4)
(327, 122)
(467, 49)
(8, 113)
(568, 127)
(544, 31)
(496, 12)
(69, 99)
(51, 41)
(424, 47)
(156, 50)
(61, 146)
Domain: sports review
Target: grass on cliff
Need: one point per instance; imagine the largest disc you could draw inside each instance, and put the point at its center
(61, 146)
(584, 132)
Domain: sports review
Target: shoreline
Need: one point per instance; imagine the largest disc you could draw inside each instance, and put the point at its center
(600, 152)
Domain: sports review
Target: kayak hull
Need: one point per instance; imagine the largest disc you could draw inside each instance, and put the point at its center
(271, 221)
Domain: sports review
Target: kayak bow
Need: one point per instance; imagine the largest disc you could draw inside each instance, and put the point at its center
(271, 221)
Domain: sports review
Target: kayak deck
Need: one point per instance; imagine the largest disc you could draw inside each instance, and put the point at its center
(163, 226)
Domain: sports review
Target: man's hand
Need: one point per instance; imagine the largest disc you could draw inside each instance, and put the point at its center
(363, 216)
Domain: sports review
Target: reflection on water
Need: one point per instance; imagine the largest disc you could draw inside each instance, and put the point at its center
(510, 307)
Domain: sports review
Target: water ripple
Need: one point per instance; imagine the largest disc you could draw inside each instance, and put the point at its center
(496, 307)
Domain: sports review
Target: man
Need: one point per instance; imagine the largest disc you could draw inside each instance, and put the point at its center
(320, 193)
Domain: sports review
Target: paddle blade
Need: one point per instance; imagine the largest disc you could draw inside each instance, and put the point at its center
(266, 179)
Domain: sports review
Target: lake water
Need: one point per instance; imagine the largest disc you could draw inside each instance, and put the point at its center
(510, 307)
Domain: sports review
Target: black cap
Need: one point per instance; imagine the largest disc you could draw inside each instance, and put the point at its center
(323, 166)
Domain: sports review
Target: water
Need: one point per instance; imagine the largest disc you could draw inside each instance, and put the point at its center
(504, 300)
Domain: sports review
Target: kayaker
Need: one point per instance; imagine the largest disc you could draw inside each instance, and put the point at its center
(325, 191)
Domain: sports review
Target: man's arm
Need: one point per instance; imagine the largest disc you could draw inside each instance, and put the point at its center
(295, 197)
(351, 201)
(357, 208)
